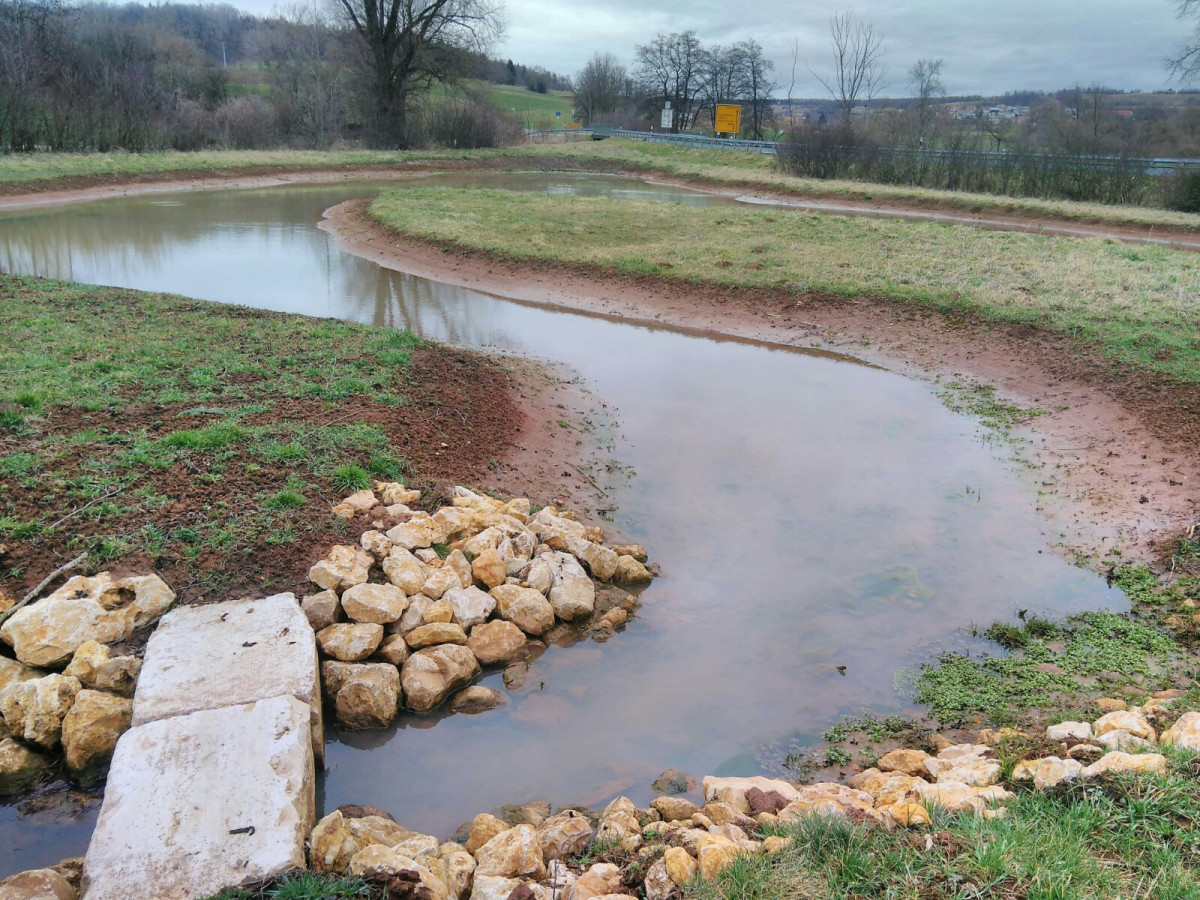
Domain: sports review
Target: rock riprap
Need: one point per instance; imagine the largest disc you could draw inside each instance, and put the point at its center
(440, 596)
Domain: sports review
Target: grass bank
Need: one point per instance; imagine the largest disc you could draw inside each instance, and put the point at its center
(721, 168)
(210, 441)
(1136, 305)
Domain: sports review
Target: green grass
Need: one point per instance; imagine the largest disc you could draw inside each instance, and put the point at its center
(1050, 666)
(1139, 312)
(1119, 838)
(301, 886)
(195, 434)
(532, 109)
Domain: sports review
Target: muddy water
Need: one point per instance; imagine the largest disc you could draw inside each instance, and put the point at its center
(809, 512)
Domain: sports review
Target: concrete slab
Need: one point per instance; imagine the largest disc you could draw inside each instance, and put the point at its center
(201, 802)
(207, 657)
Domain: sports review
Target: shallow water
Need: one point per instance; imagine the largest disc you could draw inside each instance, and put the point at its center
(808, 512)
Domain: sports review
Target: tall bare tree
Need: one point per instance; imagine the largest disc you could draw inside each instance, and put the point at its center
(599, 86)
(757, 86)
(670, 68)
(1185, 65)
(925, 77)
(410, 44)
(858, 70)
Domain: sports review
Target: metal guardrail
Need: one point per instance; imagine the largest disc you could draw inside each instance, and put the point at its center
(1155, 166)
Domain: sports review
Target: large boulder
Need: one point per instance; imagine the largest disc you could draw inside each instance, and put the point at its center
(350, 642)
(91, 729)
(525, 608)
(497, 643)
(96, 668)
(484, 827)
(379, 604)
(343, 567)
(459, 868)
(375, 861)
(368, 695)
(471, 606)
(20, 766)
(48, 633)
(431, 675)
(1124, 720)
(618, 821)
(34, 710)
(514, 853)
(573, 593)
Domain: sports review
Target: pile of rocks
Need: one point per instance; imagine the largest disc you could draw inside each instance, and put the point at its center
(402, 625)
(84, 707)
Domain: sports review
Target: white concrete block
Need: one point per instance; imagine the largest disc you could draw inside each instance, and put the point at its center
(184, 793)
(224, 654)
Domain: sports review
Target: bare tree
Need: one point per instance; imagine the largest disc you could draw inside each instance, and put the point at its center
(757, 85)
(926, 79)
(1185, 65)
(599, 86)
(858, 70)
(410, 44)
(670, 69)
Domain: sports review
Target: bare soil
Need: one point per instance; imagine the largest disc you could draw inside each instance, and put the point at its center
(1115, 458)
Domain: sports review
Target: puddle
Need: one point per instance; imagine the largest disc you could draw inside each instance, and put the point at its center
(809, 513)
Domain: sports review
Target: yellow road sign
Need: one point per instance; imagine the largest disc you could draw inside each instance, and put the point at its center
(729, 119)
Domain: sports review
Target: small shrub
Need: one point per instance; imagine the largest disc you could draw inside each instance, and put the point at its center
(1182, 192)
(351, 478)
(286, 499)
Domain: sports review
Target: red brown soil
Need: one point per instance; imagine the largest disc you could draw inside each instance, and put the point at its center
(1115, 457)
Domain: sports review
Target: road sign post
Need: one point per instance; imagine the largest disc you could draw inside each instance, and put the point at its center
(728, 119)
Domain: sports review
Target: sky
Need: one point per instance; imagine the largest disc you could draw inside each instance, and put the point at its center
(989, 46)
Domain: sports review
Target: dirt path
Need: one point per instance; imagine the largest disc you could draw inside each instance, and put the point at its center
(1114, 459)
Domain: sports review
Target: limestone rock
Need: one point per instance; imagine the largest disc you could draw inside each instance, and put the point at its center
(828, 799)
(376, 543)
(1116, 761)
(956, 797)
(618, 821)
(681, 868)
(255, 766)
(1079, 731)
(440, 581)
(489, 569)
(414, 615)
(733, 790)
(658, 884)
(674, 809)
(332, 845)
(493, 887)
(459, 869)
(358, 502)
(458, 561)
(1122, 740)
(717, 853)
(421, 847)
(525, 608)
(972, 771)
(600, 880)
(470, 605)
(497, 643)
(477, 699)
(394, 492)
(776, 844)
(436, 633)
(909, 762)
(335, 674)
(322, 609)
(350, 642)
(727, 814)
(405, 571)
(573, 594)
(20, 766)
(514, 853)
(37, 884)
(96, 668)
(672, 781)
(91, 729)
(484, 827)
(343, 567)
(429, 676)
(888, 788)
(1124, 720)
(564, 835)
(1185, 733)
(377, 604)
(368, 696)
(1052, 771)
(534, 813)
(418, 532)
(48, 633)
(539, 576)
(34, 710)
(394, 649)
(12, 671)
(637, 551)
(375, 860)
(630, 571)
(547, 523)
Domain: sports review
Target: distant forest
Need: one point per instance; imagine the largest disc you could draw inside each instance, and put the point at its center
(180, 76)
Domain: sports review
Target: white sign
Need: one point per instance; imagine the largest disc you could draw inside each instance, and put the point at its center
(668, 117)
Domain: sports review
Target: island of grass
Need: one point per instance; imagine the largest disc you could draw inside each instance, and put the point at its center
(208, 442)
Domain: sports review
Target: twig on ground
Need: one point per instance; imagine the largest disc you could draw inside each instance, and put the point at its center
(45, 581)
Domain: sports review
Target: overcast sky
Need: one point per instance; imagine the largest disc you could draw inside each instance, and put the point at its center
(990, 46)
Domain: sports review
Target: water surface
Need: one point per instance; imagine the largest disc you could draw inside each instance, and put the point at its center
(808, 511)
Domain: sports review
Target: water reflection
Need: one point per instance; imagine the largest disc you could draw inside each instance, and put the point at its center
(808, 512)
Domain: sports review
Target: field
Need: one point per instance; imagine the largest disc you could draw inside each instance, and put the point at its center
(533, 110)
(1135, 304)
